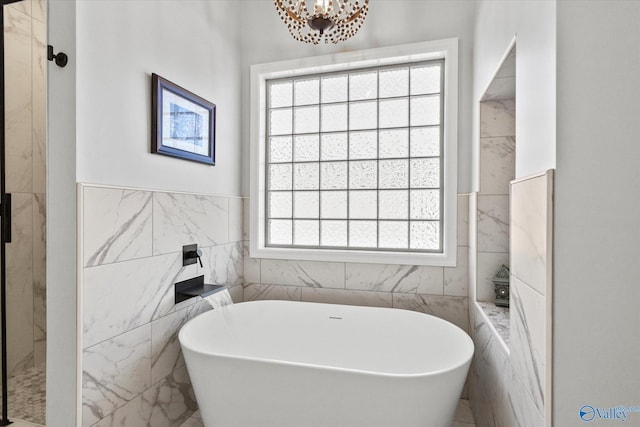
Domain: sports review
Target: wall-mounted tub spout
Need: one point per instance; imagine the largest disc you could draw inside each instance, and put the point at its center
(195, 287)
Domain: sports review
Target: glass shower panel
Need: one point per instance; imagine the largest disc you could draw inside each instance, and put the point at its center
(23, 175)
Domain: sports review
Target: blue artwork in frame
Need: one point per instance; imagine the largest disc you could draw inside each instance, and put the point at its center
(182, 124)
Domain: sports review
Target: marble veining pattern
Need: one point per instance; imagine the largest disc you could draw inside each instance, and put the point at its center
(493, 223)
(258, 291)
(182, 219)
(166, 404)
(23, 7)
(499, 318)
(19, 181)
(506, 387)
(523, 410)
(25, 131)
(452, 309)
(531, 273)
(497, 118)
(114, 372)
(18, 101)
(166, 355)
(38, 10)
(39, 278)
(394, 278)
(497, 159)
(134, 372)
(39, 100)
(302, 273)
(487, 386)
(19, 270)
(138, 291)
(528, 349)
(194, 421)
(496, 394)
(529, 229)
(223, 264)
(117, 225)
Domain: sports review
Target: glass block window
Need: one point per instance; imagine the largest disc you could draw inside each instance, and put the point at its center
(355, 159)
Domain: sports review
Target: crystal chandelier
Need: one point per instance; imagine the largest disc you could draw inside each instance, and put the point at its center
(329, 20)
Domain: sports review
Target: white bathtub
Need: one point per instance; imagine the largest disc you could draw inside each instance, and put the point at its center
(283, 363)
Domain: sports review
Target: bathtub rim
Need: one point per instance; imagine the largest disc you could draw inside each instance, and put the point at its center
(443, 371)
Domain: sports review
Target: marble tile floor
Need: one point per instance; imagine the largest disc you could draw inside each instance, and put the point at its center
(462, 418)
(26, 397)
(20, 423)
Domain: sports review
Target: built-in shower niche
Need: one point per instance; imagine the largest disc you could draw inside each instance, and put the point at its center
(497, 144)
(510, 224)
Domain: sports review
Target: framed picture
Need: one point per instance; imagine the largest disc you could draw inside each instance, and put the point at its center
(183, 125)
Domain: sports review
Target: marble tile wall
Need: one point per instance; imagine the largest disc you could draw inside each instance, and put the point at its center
(506, 382)
(25, 102)
(133, 370)
(441, 291)
(496, 394)
(509, 385)
(531, 278)
(497, 169)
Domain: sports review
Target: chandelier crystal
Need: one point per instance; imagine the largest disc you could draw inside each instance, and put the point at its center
(329, 20)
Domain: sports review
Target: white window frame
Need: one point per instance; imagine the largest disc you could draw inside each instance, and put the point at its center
(441, 49)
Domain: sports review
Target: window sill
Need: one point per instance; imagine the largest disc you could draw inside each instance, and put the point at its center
(375, 257)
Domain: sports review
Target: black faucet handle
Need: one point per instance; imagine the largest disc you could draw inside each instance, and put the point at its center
(199, 256)
(196, 254)
(190, 253)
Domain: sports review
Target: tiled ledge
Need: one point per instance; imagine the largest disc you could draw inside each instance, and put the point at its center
(499, 318)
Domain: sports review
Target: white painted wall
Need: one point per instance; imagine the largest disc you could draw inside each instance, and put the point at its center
(534, 25)
(597, 273)
(193, 43)
(389, 22)
(99, 110)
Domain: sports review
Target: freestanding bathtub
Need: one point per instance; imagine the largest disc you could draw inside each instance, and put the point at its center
(297, 364)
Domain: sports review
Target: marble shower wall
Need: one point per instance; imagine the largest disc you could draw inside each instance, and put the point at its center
(531, 293)
(25, 102)
(511, 385)
(441, 291)
(497, 169)
(133, 372)
(496, 394)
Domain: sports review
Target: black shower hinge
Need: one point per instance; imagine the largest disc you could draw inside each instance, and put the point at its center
(60, 58)
(5, 212)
